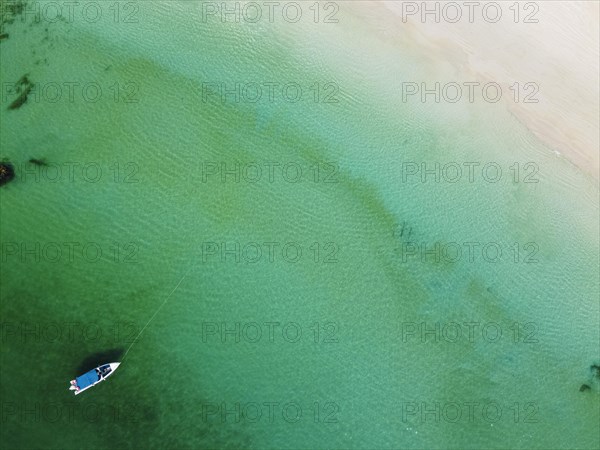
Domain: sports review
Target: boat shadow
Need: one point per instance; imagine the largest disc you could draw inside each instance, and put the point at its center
(96, 359)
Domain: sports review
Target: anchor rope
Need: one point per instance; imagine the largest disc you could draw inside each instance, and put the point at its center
(157, 310)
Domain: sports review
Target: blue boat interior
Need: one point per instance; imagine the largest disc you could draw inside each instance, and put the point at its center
(87, 379)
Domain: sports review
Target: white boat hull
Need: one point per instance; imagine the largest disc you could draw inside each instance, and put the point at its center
(92, 377)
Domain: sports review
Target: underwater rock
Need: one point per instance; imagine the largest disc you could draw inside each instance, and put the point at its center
(584, 387)
(10, 10)
(38, 162)
(404, 231)
(23, 81)
(23, 87)
(21, 99)
(7, 172)
(596, 368)
(3, 36)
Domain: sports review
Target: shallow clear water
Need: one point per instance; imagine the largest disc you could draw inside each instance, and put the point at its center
(308, 288)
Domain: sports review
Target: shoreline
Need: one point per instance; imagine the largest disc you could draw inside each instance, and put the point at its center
(559, 54)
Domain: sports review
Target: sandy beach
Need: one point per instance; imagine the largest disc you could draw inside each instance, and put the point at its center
(554, 46)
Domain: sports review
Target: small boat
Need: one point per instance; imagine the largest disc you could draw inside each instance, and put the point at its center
(93, 377)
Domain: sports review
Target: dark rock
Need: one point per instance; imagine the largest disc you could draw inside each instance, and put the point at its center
(584, 387)
(38, 162)
(23, 81)
(3, 36)
(7, 172)
(21, 99)
(23, 87)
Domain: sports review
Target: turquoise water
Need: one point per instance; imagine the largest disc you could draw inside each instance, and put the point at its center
(150, 201)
